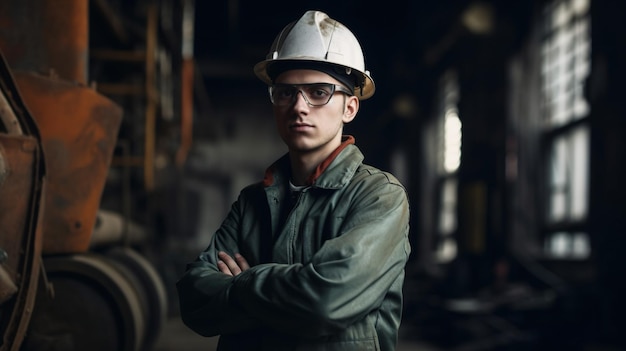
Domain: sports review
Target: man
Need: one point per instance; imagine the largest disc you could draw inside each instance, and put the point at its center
(312, 257)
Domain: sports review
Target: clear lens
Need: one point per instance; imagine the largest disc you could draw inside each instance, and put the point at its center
(316, 94)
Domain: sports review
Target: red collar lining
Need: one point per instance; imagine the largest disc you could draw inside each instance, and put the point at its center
(347, 140)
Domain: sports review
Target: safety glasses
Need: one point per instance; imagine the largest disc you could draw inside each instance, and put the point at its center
(315, 94)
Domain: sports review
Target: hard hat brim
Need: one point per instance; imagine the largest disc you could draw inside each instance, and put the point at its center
(362, 93)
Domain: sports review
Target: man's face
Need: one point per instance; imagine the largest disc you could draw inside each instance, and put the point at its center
(313, 129)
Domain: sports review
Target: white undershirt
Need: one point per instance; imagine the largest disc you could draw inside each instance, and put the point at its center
(297, 188)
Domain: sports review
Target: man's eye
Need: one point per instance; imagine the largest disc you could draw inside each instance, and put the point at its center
(285, 93)
(320, 93)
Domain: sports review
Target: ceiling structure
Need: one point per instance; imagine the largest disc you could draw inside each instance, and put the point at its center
(403, 40)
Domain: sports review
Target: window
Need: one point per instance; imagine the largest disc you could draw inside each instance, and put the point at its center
(565, 65)
(448, 131)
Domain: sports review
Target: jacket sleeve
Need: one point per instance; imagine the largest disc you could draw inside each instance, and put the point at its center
(345, 280)
(204, 291)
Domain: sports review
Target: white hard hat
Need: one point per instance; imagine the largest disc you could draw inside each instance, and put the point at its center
(316, 40)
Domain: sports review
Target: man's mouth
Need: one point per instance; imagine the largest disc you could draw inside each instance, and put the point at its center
(300, 126)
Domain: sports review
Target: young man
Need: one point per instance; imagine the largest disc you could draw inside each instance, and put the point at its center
(312, 257)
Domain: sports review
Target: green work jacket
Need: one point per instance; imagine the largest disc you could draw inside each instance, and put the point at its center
(327, 265)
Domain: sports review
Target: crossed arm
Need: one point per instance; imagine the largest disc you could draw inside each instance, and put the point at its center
(368, 257)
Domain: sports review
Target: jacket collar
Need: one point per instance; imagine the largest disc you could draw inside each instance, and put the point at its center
(334, 172)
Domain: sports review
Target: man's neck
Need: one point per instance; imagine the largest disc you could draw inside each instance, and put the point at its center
(303, 165)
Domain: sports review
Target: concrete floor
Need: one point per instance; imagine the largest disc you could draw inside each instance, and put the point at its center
(177, 337)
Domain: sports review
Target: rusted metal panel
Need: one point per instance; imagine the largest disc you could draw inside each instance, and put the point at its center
(18, 154)
(46, 36)
(78, 130)
(20, 233)
(21, 200)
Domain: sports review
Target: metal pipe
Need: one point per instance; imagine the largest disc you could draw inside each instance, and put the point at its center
(46, 36)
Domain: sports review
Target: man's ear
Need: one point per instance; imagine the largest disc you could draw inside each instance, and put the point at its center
(351, 109)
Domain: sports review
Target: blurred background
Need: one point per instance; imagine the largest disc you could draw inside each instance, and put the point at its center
(504, 120)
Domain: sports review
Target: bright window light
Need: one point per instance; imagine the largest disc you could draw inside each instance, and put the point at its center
(452, 142)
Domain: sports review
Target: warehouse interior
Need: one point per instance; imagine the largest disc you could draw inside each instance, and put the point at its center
(128, 127)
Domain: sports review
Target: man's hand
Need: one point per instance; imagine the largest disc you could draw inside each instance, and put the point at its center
(230, 266)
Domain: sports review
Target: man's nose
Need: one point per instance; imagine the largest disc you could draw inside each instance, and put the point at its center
(300, 100)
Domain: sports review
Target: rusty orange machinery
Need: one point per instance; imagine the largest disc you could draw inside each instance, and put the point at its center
(78, 126)
(54, 292)
(115, 297)
(78, 129)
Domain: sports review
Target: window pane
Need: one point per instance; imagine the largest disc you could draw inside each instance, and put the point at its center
(568, 245)
(582, 65)
(450, 124)
(558, 180)
(447, 210)
(565, 55)
(452, 143)
(579, 146)
(446, 250)
(580, 245)
(448, 162)
(558, 245)
(569, 176)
